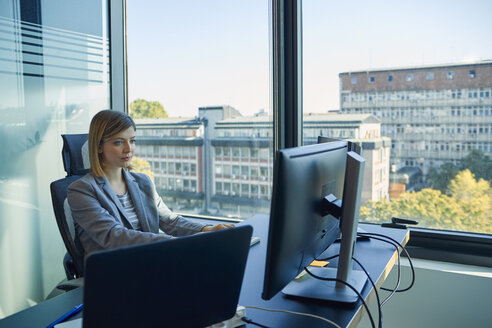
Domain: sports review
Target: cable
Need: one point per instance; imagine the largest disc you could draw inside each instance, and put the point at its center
(380, 323)
(348, 285)
(393, 291)
(296, 313)
(406, 253)
(328, 258)
(399, 269)
(247, 320)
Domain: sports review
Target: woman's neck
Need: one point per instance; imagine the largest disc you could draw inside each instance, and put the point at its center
(116, 180)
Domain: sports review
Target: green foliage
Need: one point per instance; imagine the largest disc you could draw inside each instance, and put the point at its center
(142, 166)
(479, 164)
(476, 161)
(439, 178)
(468, 207)
(141, 108)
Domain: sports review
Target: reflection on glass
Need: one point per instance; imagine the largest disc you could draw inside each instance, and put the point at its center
(54, 76)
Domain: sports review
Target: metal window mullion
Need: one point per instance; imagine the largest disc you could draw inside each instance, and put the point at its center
(118, 55)
(287, 73)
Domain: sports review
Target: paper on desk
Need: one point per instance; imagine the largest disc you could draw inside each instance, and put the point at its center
(75, 323)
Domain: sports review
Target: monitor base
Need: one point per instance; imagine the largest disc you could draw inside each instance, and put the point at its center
(309, 287)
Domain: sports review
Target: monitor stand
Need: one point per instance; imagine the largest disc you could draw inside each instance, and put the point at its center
(308, 286)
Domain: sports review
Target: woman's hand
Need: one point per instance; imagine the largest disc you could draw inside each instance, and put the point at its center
(216, 227)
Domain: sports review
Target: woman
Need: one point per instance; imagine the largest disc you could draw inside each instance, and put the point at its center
(112, 206)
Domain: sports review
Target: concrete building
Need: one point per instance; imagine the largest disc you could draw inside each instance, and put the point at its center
(222, 163)
(433, 114)
(361, 129)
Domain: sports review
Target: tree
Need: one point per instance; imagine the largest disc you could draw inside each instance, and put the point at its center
(479, 164)
(475, 197)
(439, 178)
(142, 166)
(466, 207)
(141, 108)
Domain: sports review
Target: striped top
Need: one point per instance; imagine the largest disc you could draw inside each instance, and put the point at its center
(127, 204)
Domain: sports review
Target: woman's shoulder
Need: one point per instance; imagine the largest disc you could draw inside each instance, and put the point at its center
(140, 178)
(84, 181)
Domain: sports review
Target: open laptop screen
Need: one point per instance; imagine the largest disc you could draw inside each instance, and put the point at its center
(190, 281)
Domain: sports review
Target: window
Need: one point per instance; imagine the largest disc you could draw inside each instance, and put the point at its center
(354, 80)
(450, 99)
(237, 75)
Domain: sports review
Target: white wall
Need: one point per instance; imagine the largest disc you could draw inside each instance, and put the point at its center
(444, 295)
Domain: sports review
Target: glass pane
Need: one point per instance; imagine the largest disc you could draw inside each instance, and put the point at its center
(199, 83)
(413, 89)
(54, 76)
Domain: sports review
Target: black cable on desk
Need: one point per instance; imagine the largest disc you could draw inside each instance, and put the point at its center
(328, 258)
(380, 322)
(393, 291)
(247, 320)
(406, 253)
(348, 285)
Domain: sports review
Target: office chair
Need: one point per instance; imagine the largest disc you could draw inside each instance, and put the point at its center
(76, 163)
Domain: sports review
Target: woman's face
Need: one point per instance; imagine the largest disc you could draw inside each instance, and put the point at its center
(118, 151)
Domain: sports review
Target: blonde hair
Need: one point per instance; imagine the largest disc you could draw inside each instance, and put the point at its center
(105, 125)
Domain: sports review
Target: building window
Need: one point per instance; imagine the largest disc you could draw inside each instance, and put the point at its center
(354, 80)
(429, 76)
(472, 74)
(409, 77)
(390, 78)
(450, 75)
(371, 79)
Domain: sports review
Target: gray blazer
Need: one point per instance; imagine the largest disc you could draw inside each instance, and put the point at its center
(101, 222)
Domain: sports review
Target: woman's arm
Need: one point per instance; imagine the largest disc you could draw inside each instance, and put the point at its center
(172, 223)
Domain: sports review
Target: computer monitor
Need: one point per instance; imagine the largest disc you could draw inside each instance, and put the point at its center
(316, 191)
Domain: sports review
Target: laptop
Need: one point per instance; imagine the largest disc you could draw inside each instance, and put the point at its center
(191, 281)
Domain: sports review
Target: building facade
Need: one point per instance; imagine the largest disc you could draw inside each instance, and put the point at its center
(365, 131)
(433, 114)
(221, 163)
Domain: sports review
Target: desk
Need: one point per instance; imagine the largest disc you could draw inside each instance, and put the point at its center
(377, 257)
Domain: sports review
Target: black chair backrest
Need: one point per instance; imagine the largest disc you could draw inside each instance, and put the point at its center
(75, 154)
(65, 223)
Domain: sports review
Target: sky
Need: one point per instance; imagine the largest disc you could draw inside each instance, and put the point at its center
(190, 54)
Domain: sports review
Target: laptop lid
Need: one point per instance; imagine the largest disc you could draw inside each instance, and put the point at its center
(191, 281)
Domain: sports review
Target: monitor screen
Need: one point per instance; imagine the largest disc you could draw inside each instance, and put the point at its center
(298, 232)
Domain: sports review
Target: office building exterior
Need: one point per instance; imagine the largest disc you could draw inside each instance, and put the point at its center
(221, 163)
(433, 114)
